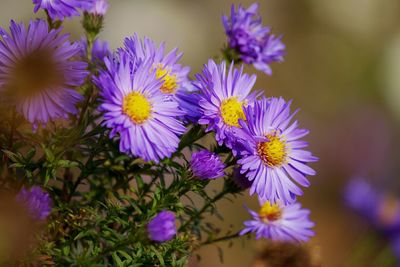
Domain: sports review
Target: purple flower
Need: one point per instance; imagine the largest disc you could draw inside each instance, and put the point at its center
(271, 152)
(136, 109)
(99, 7)
(189, 103)
(61, 9)
(37, 202)
(173, 75)
(206, 165)
(100, 50)
(162, 228)
(382, 210)
(240, 179)
(280, 223)
(360, 196)
(253, 42)
(38, 73)
(224, 94)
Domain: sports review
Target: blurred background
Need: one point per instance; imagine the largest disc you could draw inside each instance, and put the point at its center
(342, 69)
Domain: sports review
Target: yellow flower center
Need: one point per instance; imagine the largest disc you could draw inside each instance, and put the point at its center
(270, 212)
(169, 81)
(273, 152)
(231, 111)
(137, 107)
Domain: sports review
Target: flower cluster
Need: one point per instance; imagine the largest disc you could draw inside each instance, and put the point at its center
(139, 136)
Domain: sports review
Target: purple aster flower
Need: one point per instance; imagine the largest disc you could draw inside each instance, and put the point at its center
(38, 73)
(382, 210)
(100, 49)
(61, 9)
(99, 7)
(37, 202)
(162, 228)
(207, 165)
(253, 42)
(281, 223)
(223, 97)
(173, 75)
(137, 110)
(272, 154)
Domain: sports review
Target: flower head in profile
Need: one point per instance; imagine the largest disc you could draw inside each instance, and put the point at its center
(162, 228)
(136, 110)
(98, 7)
(174, 76)
(253, 42)
(61, 9)
(207, 165)
(280, 223)
(224, 94)
(37, 202)
(38, 72)
(273, 157)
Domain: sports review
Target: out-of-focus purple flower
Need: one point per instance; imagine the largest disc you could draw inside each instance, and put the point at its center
(240, 179)
(61, 9)
(224, 94)
(37, 202)
(162, 228)
(281, 223)
(100, 49)
(272, 154)
(360, 196)
(382, 210)
(207, 165)
(253, 42)
(99, 7)
(38, 71)
(136, 109)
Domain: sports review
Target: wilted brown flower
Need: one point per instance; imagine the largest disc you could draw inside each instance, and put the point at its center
(278, 254)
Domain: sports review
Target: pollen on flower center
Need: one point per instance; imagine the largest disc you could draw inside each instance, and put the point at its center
(270, 212)
(137, 107)
(273, 152)
(231, 111)
(169, 81)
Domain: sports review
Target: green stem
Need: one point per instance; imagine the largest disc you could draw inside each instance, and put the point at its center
(10, 142)
(220, 239)
(204, 208)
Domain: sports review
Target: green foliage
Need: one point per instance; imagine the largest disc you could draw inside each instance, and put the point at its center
(103, 199)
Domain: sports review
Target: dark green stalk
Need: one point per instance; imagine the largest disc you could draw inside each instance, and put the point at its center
(220, 239)
(217, 197)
